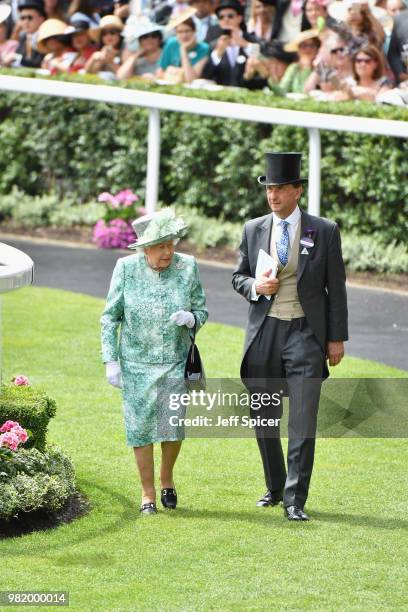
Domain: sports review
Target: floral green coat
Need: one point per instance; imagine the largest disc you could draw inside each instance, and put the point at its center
(152, 350)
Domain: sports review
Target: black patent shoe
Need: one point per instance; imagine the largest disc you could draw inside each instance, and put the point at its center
(269, 499)
(148, 508)
(169, 498)
(294, 513)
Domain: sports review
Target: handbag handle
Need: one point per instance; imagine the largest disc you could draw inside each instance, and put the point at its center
(193, 330)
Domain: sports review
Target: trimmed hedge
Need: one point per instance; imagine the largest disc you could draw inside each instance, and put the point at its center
(31, 408)
(81, 148)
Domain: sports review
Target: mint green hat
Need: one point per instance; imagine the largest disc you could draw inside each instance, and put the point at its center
(158, 227)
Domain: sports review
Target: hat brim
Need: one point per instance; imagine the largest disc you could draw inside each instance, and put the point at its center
(188, 13)
(5, 12)
(264, 181)
(144, 243)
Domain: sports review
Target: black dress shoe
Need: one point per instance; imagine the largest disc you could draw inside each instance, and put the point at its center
(148, 508)
(269, 499)
(293, 513)
(169, 498)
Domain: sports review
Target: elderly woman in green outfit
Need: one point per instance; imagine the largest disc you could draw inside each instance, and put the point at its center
(155, 297)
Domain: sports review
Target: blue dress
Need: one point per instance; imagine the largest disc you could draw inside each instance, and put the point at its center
(151, 349)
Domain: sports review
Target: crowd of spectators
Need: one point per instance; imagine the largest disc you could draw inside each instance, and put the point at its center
(328, 49)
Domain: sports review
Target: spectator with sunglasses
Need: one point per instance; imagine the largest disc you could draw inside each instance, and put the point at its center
(109, 58)
(144, 61)
(368, 71)
(230, 43)
(331, 78)
(31, 16)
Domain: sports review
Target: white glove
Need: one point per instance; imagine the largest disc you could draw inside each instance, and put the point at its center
(183, 317)
(113, 374)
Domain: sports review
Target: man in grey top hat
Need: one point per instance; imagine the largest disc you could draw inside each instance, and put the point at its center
(297, 320)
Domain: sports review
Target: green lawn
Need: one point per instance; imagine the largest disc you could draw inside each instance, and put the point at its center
(217, 551)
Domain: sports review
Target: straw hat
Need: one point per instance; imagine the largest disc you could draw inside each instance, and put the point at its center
(109, 21)
(293, 46)
(5, 10)
(48, 29)
(339, 9)
(180, 18)
(158, 227)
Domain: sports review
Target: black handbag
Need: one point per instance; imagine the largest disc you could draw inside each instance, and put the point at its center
(194, 374)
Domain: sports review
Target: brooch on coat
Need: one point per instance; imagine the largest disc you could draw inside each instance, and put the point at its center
(307, 240)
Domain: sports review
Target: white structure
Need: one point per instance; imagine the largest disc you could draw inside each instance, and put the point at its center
(16, 268)
(313, 122)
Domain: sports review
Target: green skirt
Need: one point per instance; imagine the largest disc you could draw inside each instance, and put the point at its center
(147, 393)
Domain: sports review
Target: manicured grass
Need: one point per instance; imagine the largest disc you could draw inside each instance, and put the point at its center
(217, 551)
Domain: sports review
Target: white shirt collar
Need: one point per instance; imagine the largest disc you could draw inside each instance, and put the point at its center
(292, 219)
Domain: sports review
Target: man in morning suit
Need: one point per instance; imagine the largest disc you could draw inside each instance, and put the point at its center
(296, 321)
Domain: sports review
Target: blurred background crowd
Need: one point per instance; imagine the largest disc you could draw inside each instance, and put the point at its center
(330, 50)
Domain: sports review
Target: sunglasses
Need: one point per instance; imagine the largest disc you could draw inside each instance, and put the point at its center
(364, 60)
(227, 16)
(26, 18)
(111, 32)
(338, 50)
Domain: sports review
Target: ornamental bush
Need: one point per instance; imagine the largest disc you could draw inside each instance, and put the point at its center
(34, 480)
(78, 148)
(31, 407)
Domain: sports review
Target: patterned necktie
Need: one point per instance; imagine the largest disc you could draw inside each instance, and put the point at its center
(282, 247)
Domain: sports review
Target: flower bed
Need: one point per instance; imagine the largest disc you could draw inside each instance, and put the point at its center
(34, 477)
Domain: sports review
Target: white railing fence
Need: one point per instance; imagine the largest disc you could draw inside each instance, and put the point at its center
(313, 122)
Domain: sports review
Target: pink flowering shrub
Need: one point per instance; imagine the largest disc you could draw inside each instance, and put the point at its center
(115, 234)
(115, 231)
(21, 381)
(11, 435)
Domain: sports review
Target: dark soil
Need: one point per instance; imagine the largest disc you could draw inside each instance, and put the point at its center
(39, 520)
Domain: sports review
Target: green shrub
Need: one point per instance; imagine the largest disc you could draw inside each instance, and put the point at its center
(371, 253)
(31, 408)
(47, 209)
(78, 148)
(34, 480)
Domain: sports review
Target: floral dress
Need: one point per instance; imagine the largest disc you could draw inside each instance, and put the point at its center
(151, 349)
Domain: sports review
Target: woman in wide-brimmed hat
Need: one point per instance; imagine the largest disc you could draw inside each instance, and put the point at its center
(143, 41)
(306, 45)
(155, 298)
(82, 43)
(183, 58)
(109, 36)
(54, 42)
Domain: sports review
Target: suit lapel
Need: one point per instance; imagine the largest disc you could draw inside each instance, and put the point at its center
(306, 221)
(264, 234)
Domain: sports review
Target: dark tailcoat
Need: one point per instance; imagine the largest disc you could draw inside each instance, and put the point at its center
(320, 279)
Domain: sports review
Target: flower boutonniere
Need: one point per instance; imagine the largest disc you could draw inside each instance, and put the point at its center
(308, 237)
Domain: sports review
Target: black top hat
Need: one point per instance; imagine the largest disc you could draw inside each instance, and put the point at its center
(282, 169)
(230, 4)
(38, 5)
